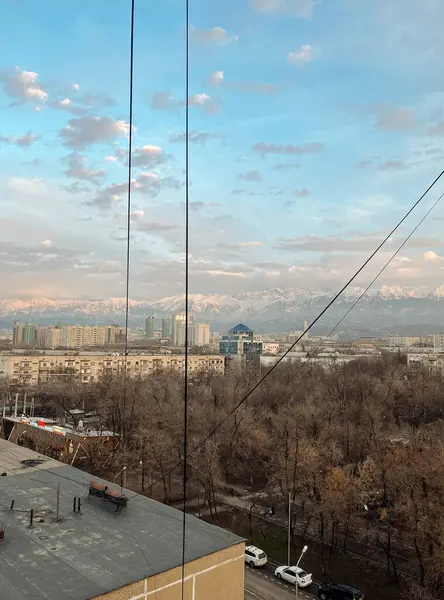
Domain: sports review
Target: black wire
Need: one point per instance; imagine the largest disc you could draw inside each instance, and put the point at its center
(254, 388)
(128, 227)
(317, 350)
(185, 381)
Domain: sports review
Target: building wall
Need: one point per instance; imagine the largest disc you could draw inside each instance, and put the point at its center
(149, 327)
(218, 576)
(92, 367)
(200, 334)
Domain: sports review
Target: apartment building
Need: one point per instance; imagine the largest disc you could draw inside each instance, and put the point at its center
(200, 334)
(66, 336)
(94, 552)
(32, 370)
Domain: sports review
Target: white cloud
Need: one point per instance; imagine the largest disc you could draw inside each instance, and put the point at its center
(302, 9)
(85, 131)
(431, 256)
(199, 99)
(389, 118)
(148, 156)
(216, 35)
(77, 168)
(263, 148)
(47, 243)
(76, 87)
(217, 77)
(163, 100)
(22, 86)
(22, 141)
(111, 158)
(302, 56)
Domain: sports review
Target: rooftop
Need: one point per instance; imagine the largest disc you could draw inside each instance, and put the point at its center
(240, 328)
(92, 552)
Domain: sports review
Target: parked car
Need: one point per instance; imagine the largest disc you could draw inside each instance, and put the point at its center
(339, 591)
(290, 573)
(255, 557)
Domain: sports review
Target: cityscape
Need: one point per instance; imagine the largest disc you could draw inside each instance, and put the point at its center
(221, 312)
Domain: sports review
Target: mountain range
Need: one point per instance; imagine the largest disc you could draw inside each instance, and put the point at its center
(395, 309)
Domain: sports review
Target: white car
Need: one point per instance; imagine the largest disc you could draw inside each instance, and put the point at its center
(289, 574)
(255, 557)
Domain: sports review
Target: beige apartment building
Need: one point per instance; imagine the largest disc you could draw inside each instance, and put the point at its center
(67, 336)
(98, 553)
(35, 369)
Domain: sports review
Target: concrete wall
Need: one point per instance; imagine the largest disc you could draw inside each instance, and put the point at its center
(218, 576)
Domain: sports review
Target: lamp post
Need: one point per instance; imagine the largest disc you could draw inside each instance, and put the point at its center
(289, 530)
(304, 550)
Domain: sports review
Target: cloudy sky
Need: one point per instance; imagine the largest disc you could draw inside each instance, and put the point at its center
(314, 124)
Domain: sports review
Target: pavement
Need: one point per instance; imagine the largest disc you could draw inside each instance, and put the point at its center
(261, 584)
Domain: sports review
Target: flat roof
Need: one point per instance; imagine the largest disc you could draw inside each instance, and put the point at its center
(91, 553)
(54, 427)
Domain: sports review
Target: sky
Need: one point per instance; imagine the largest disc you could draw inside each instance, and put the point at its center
(313, 126)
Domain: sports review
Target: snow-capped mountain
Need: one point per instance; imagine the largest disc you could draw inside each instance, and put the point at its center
(275, 309)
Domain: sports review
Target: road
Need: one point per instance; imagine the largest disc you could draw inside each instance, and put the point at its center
(261, 584)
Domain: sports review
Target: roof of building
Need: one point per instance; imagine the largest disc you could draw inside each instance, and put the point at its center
(241, 328)
(89, 553)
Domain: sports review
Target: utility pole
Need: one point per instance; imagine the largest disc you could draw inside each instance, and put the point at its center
(289, 531)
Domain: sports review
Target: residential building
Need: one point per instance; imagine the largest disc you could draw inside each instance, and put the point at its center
(408, 341)
(433, 361)
(166, 328)
(87, 548)
(179, 328)
(36, 369)
(29, 334)
(24, 334)
(17, 334)
(270, 348)
(438, 341)
(149, 328)
(199, 334)
(291, 337)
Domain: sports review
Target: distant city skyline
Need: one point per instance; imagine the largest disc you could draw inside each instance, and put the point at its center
(313, 126)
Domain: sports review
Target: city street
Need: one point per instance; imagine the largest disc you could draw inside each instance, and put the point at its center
(263, 585)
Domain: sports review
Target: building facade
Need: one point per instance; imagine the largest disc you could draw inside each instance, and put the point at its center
(149, 328)
(178, 328)
(136, 556)
(200, 334)
(166, 328)
(240, 341)
(87, 368)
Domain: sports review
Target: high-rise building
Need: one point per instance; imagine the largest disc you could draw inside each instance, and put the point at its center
(179, 328)
(29, 334)
(166, 328)
(199, 334)
(149, 327)
(17, 335)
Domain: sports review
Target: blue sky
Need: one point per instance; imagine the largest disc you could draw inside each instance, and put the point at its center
(314, 125)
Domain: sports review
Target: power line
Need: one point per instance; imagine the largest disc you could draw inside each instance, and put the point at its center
(320, 315)
(128, 226)
(185, 381)
(393, 256)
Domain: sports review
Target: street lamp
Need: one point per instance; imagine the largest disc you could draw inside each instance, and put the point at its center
(304, 550)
